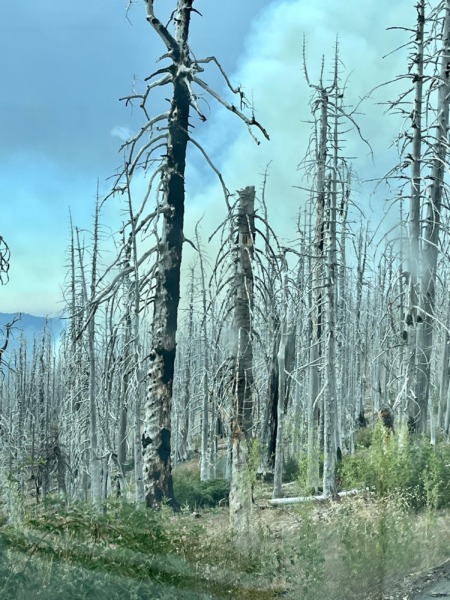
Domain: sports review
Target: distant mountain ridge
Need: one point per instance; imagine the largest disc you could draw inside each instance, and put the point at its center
(30, 326)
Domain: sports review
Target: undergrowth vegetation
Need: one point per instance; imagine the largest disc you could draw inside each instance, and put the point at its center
(347, 550)
(374, 543)
(400, 464)
(192, 493)
(356, 548)
(123, 553)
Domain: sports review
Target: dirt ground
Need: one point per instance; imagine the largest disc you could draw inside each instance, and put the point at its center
(433, 584)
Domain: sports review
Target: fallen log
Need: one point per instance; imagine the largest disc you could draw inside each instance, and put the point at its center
(321, 498)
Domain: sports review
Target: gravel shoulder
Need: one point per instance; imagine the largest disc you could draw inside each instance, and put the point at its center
(433, 584)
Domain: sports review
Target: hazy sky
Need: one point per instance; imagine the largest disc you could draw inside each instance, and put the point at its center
(64, 66)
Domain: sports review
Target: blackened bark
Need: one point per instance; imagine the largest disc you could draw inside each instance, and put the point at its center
(158, 405)
(272, 412)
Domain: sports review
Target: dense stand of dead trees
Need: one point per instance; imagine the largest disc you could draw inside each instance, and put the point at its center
(283, 351)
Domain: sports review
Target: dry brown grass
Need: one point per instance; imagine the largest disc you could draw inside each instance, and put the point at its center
(352, 549)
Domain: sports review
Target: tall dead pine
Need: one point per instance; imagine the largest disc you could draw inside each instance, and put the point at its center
(430, 249)
(411, 319)
(158, 404)
(162, 143)
(242, 387)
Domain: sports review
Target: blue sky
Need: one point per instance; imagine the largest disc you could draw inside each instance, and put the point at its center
(64, 66)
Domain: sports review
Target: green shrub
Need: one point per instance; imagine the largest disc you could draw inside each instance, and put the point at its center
(190, 491)
(401, 464)
(291, 469)
(437, 477)
(363, 437)
(304, 556)
(374, 542)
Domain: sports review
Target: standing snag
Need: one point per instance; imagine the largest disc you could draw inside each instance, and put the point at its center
(163, 141)
(242, 387)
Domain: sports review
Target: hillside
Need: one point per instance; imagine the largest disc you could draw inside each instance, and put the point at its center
(29, 326)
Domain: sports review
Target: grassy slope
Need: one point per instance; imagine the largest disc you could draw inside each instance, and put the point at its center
(357, 548)
(352, 549)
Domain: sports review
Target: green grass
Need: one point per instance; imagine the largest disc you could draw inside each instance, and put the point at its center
(356, 548)
(125, 553)
(348, 550)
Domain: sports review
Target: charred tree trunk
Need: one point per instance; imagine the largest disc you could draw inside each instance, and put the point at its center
(158, 404)
(330, 403)
(183, 75)
(411, 319)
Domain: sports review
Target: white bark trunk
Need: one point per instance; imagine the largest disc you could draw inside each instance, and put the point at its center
(432, 228)
(279, 454)
(242, 401)
(414, 219)
(241, 502)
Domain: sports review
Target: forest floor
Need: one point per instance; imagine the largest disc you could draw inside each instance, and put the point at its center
(322, 551)
(349, 558)
(358, 548)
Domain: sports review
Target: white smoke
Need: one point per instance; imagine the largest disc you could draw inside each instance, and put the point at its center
(271, 72)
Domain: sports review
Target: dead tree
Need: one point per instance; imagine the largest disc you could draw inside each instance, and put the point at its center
(8, 328)
(281, 360)
(163, 141)
(432, 223)
(94, 459)
(322, 311)
(242, 386)
(411, 318)
(423, 147)
(205, 456)
(4, 260)
(328, 171)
